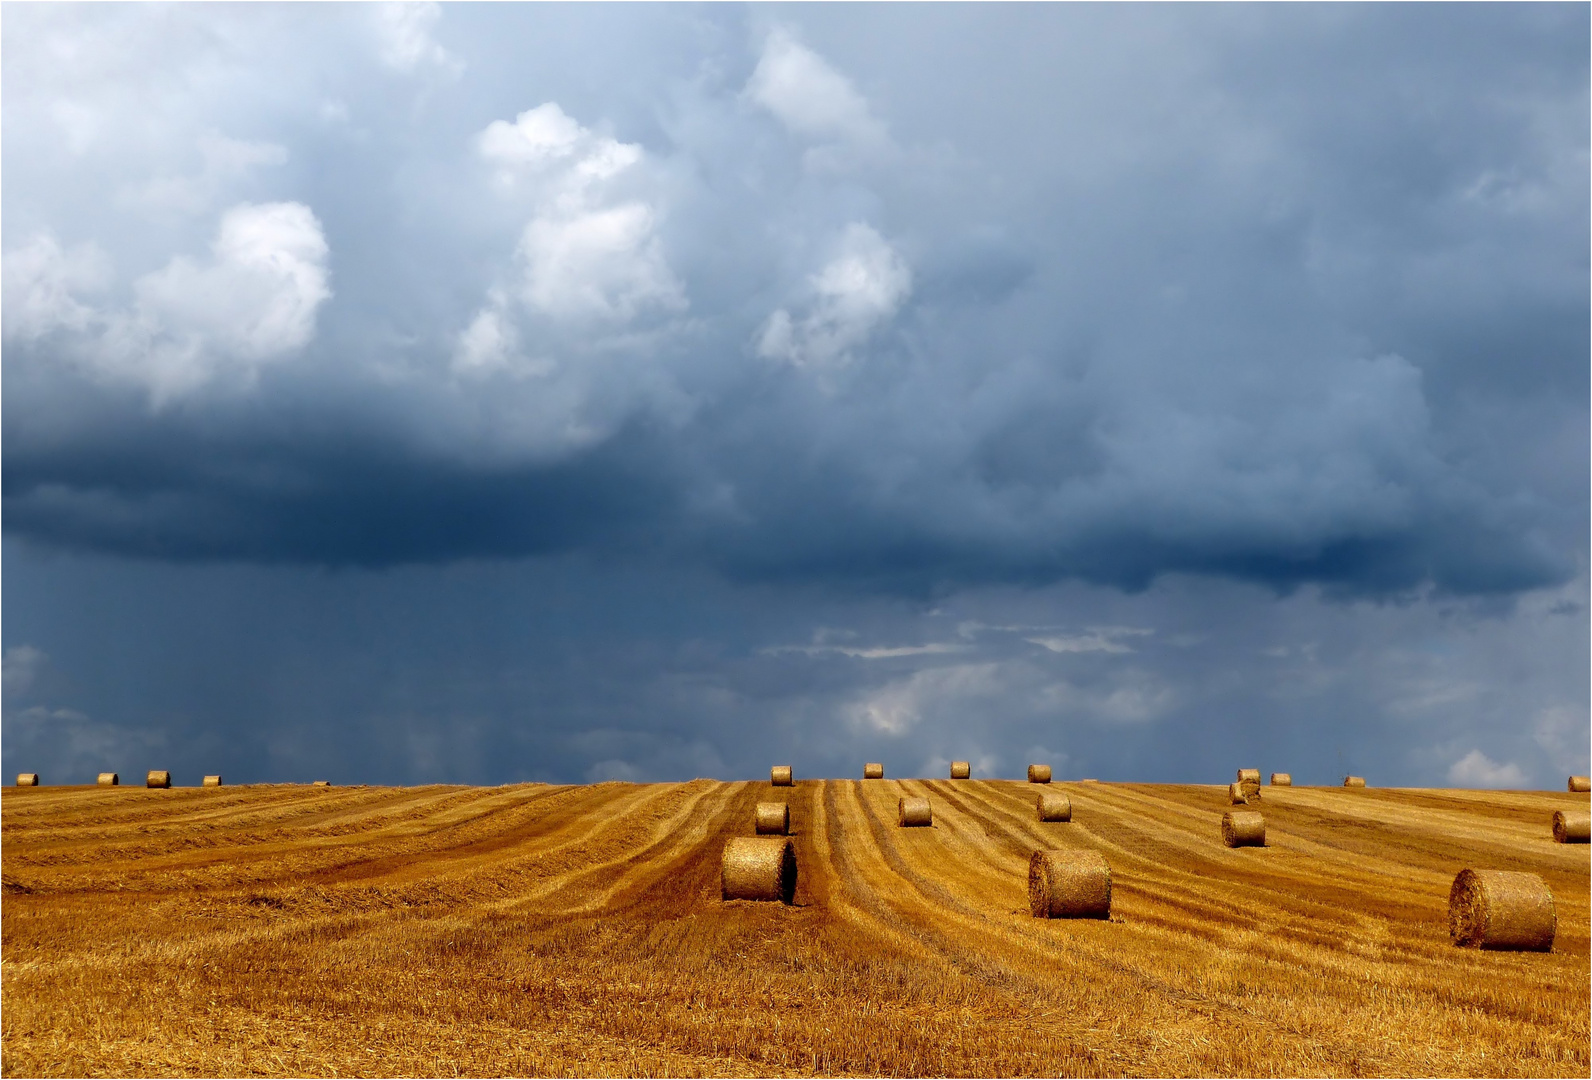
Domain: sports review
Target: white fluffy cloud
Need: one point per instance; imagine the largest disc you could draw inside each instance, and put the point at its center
(589, 259)
(403, 35)
(1477, 770)
(42, 284)
(852, 296)
(808, 96)
(252, 301)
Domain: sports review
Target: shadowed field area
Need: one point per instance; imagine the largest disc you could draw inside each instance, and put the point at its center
(579, 930)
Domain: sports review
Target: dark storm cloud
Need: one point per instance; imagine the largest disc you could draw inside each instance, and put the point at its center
(1214, 295)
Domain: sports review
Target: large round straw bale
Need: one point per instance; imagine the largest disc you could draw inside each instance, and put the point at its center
(1069, 885)
(158, 778)
(913, 811)
(961, 770)
(1354, 781)
(1236, 796)
(1572, 827)
(773, 818)
(1039, 774)
(27, 779)
(1581, 783)
(108, 779)
(759, 868)
(1249, 774)
(321, 783)
(212, 781)
(1281, 779)
(779, 776)
(1501, 909)
(873, 770)
(1243, 828)
(1053, 806)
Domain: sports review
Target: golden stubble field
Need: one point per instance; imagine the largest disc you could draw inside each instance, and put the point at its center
(578, 930)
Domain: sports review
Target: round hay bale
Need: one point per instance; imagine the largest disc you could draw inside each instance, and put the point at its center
(1069, 885)
(1501, 909)
(961, 770)
(914, 811)
(780, 776)
(1243, 828)
(1581, 783)
(158, 778)
(212, 781)
(1249, 774)
(773, 819)
(27, 779)
(1054, 806)
(1572, 827)
(1281, 779)
(758, 868)
(108, 779)
(321, 783)
(873, 771)
(1354, 781)
(1236, 796)
(1039, 774)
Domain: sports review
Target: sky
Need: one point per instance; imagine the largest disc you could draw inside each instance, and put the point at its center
(495, 393)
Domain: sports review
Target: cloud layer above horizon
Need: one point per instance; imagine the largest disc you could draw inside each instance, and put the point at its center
(900, 305)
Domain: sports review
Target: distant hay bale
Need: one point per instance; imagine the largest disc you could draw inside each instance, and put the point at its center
(1249, 774)
(873, 771)
(1281, 779)
(1243, 828)
(1501, 909)
(27, 779)
(758, 868)
(1088, 780)
(913, 811)
(321, 783)
(961, 770)
(1053, 806)
(1069, 885)
(108, 779)
(1572, 827)
(780, 776)
(773, 819)
(212, 781)
(1236, 796)
(158, 778)
(1581, 783)
(1354, 781)
(1039, 774)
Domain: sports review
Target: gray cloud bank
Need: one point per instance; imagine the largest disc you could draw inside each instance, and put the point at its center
(902, 305)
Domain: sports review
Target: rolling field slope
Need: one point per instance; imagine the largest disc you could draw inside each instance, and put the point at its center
(579, 930)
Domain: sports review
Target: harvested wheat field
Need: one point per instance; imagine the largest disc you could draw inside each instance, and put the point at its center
(580, 930)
